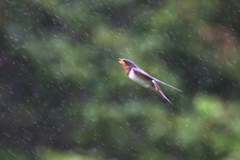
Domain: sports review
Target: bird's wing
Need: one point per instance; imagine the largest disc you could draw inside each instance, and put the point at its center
(166, 84)
(143, 73)
(147, 75)
(157, 89)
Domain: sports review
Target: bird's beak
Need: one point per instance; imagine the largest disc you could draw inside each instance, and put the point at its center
(121, 61)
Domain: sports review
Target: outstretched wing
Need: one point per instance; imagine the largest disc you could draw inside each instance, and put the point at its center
(147, 75)
(166, 84)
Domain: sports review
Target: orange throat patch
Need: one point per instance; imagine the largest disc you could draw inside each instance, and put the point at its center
(125, 67)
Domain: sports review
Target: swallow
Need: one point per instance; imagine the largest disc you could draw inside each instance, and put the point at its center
(143, 78)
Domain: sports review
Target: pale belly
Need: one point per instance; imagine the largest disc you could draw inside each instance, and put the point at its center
(143, 82)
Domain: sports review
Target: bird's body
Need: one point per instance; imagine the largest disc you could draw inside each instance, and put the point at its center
(144, 79)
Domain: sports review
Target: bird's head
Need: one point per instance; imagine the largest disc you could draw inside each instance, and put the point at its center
(126, 62)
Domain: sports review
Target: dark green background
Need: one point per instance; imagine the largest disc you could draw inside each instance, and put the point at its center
(64, 96)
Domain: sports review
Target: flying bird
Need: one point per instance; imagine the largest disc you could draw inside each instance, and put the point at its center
(143, 78)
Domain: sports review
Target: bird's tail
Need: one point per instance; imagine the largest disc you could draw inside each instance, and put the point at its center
(157, 89)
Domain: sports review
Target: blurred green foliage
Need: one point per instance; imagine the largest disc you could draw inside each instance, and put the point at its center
(64, 96)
